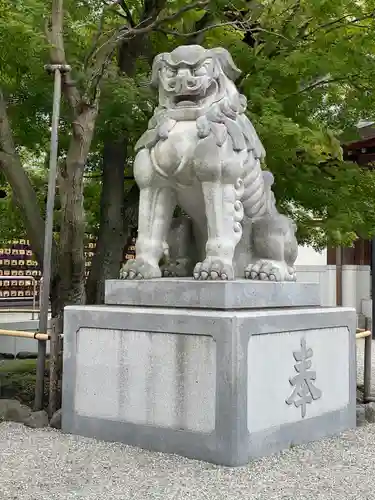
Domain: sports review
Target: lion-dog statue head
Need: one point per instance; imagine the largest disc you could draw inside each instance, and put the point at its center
(190, 79)
(195, 83)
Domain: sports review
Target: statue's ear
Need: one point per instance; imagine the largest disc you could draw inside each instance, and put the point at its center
(156, 67)
(226, 62)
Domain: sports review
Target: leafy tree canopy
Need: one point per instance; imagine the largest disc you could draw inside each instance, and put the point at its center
(308, 74)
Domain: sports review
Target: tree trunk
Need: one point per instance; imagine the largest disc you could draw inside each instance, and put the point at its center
(71, 260)
(111, 239)
(23, 191)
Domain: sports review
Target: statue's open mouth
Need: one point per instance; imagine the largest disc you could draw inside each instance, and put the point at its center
(187, 100)
(196, 98)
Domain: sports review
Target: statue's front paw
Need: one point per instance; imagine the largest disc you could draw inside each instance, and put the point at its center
(214, 269)
(181, 268)
(138, 269)
(270, 270)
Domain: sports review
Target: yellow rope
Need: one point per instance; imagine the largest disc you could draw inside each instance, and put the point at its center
(361, 334)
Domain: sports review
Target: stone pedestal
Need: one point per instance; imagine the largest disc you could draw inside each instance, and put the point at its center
(217, 371)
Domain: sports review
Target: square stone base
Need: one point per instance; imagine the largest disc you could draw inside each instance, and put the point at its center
(220, 386)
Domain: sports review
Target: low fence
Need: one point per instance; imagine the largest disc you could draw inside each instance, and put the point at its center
(367, 335)
(55, 351)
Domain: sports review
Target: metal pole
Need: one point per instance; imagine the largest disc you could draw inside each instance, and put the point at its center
(56, 70)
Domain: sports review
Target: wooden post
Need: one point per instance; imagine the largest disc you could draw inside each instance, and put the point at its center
(367, 369)
(338, 261)
(54, 366)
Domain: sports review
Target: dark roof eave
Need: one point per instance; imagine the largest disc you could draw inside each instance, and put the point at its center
(364, 143)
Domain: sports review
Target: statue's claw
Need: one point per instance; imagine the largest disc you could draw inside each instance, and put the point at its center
(137, 269)
(211, 269)
(270, 270)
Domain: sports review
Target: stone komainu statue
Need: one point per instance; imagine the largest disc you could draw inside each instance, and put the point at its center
(201, 152)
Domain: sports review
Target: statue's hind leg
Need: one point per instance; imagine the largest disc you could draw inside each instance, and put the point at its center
(274, 248)
(156, 205)
(180, 259)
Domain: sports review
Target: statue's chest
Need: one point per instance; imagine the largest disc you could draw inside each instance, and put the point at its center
(173, 155)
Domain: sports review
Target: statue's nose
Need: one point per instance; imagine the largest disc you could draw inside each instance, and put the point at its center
(184, 81)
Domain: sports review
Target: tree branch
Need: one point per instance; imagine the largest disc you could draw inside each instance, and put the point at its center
(318, 83)
(126, 32)
(205, 22)
(354, 21)
(237, 24)
(23, 191)
(101, 61)
(293, 11)
(130, 49)
(335, 24)
(121, 5)
(198, 32)
(55, 37)
(95, 42)
(151, 10)
(144, 27)
(128, 14)
(183, 10)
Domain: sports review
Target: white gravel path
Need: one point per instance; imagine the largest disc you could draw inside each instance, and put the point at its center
(48, 465)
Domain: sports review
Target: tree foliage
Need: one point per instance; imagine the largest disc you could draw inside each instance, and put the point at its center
(308, 74)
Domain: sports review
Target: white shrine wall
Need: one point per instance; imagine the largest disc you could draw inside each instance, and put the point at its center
(308, 256)
(356, 280)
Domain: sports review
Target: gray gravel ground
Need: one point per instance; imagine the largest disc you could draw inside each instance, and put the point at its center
(47, 465)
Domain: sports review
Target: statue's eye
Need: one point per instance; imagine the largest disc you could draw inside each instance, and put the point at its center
(170, 73)
(201, 71)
